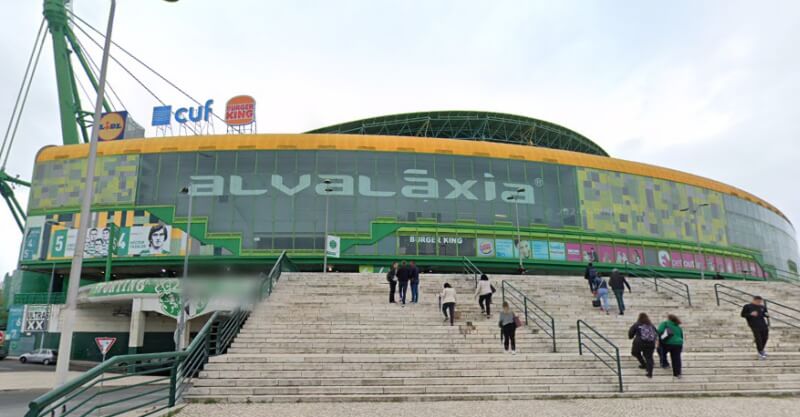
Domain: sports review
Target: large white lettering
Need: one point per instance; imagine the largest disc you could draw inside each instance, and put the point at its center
(303, 183)
(340, 185)
(428, 189)
(237, 189)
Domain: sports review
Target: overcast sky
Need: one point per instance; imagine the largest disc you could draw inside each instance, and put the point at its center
(707, 87)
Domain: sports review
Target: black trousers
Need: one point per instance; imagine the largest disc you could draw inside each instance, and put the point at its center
(509, 331)
(674, 352)
(449, 310)
(485, 301)
(392, 289)
(643, 352)
(760, 335)
(403, 290)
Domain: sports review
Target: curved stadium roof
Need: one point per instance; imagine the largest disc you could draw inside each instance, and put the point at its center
(472, 125)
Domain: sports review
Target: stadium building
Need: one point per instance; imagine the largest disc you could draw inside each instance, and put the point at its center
(434, 187)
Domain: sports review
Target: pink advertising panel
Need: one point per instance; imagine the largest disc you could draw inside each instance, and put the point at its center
(606, 253)
(760, 271)
(636, 255)
(729, 265)
(752, 268)
(719, 263)
(589, 253)
(688, 260)
(574, 252)
(620, 254)
(699, 261)
(737, 266)
(677, 259)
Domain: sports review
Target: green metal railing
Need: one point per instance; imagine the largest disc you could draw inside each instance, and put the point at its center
(660, 282)
(144, 384)
(471, 269)
(39, 298)
(609, 357)
(532, 311)
(779, 312)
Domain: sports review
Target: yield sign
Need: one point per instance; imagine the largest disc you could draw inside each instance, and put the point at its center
(104, 344)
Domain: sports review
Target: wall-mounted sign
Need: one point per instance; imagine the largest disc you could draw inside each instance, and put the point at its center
(112, 126)
(162, 115)
(240, 110)
(36, 317)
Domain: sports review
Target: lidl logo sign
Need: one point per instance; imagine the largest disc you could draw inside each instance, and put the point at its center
(112, 126)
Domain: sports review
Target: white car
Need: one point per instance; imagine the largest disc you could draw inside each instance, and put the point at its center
(43, 356)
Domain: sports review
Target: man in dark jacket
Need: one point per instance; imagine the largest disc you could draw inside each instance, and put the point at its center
(757, 315)
(403, 275)
(617, 282)
(391, 277)
(414, 278)
(589, 274)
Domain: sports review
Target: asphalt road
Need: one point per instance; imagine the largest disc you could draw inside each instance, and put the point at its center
(14, 365)
(15, 403)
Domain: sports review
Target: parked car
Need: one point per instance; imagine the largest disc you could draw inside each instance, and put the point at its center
(43, 356)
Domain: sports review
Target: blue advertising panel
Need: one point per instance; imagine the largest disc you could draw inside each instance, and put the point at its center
(504, 248)
(15, 315)
(540, 249)
(558, 251)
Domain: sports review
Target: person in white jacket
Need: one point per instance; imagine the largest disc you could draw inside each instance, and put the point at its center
(448, 299)
(484, 294)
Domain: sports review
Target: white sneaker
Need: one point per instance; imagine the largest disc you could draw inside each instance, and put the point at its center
(513, 352)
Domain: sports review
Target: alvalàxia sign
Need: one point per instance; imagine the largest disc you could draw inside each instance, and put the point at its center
(418, 185)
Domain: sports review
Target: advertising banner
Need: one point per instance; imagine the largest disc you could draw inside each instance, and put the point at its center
(588, 253)
(664, 258)
(540, 250)
(574, 252)
(14, 326)
(524, 247)
(112, 126)
(737, 266)
(688, 260)
(719, 263)
(621, 254)
(36, 317)
(728, 265)
(504, 248)
(333, 245)
(699, 261)
(677, 259)
(30, 248)
(147, 240)
(635, 255)
(557, 251)
(485, 247)
(606, 254)
(651, 256)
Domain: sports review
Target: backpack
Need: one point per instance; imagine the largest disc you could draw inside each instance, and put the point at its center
(647, 334)
(390, 275)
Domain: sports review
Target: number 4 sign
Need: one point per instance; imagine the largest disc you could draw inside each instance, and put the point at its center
(104, 344)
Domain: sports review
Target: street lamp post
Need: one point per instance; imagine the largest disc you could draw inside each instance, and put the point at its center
(328, 190)
(68, 322)
(181, 325)
(515, 197)
(693, 209)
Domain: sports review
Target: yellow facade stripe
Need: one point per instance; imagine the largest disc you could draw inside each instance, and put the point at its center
(392, 144)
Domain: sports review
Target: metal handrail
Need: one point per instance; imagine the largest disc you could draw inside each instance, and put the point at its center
(787, 315)
(170, 372)
(612, 358)
(471, 269)
(533, 312)
(661, 282)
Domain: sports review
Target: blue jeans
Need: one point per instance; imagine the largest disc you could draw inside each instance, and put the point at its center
(403, 290)
(602, 295)
(620, 300)
(414, 291)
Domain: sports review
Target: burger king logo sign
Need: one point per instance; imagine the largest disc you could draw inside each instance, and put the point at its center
(112, 126)
(240, 110)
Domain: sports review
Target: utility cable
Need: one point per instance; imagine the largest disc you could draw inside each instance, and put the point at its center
(24, 100)
(19, 94)
(95, 71)
(143, 64)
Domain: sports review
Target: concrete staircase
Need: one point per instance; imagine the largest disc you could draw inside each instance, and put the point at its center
(334, 337)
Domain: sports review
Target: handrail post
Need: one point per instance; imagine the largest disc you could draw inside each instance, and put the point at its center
(503, 290)
(769, 324)
(688, 296)
(580, 342)
(619, 369)
(553, 330)
(525, 302)
(716, 293)
(173, 381)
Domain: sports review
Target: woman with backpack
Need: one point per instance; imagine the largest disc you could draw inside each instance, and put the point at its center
(602, 292)
(448, 300)
(508, 325)
(670, 335)
(484, 292)
(644, 336)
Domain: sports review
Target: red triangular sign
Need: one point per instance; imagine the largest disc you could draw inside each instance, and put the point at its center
(104, 343)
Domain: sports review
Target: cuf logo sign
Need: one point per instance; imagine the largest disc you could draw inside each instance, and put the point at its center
(162, 115)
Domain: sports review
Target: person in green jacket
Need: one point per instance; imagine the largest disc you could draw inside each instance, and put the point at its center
(670, 335)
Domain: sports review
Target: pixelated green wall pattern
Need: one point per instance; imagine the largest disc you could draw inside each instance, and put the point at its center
(58, 184)
(613, 202)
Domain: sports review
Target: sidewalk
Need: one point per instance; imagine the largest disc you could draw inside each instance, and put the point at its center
(30, 380)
